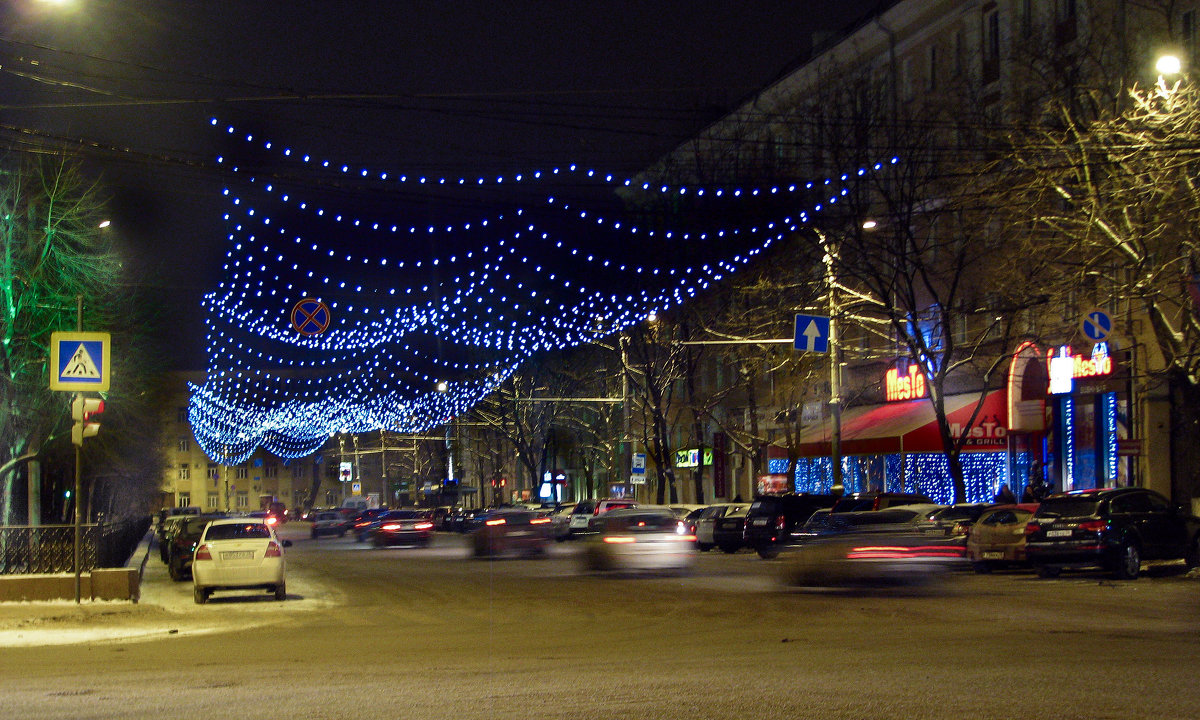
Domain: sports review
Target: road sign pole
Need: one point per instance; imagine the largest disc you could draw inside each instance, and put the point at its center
(78, 471)
(835, 371)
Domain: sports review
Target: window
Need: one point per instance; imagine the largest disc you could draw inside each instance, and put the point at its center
(240, 472)
(185, 499)
(297, 471)
(184, 445)
(271, 470)
(1187, 32)
(991, 46)
(931, 80)
(214, 471)
(243, 500)
(184, 472)
(181, 415)
(213, 499)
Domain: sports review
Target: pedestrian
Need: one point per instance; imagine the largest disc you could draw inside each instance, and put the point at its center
(1006, 496)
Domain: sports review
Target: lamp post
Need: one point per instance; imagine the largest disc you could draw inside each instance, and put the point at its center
(831, 249)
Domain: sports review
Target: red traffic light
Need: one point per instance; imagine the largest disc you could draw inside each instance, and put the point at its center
(83, 408)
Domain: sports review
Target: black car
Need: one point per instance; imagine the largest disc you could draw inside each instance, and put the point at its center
(1111, 528)
(729, 531)
(183, 544)
(857, 502)
(773, 520)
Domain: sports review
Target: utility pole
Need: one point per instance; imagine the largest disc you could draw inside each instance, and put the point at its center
(835, 366)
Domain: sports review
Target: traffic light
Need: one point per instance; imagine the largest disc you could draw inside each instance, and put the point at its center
(81, 410)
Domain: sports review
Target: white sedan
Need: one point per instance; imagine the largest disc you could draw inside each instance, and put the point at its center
(238, 554)
(647, 537)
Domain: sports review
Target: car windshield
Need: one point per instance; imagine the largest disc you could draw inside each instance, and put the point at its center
(853, 504)
(238, 531)
(1068, 507)
(951, 514)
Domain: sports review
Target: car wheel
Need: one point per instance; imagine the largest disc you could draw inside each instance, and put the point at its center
(981, 567)
(729, 549)
(174, 571)
(377, 541)
(281, 591)
(1192, 558)
(1047, 571)
(766, 552)
(1128, 562)
(200, 595)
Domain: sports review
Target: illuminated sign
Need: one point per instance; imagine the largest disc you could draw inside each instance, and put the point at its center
(693, 457)
(909, 386)
(1066, 367)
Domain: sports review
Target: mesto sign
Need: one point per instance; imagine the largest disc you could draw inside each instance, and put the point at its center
(1065, 367)
(907, 386)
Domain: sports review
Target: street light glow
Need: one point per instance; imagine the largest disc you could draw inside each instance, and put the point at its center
(1168, 65)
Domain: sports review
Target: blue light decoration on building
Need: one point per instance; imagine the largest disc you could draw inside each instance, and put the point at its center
(1108, 404)
(1068, 442)
(926, 473)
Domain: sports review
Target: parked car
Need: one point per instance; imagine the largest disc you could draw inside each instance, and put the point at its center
(648, 537)
(165, 533)
(998, 537)
(1111, 528)
(707, 521)
(729, 531)
(404, 527)
(560, 522)
(585, 511)
(328, 522)
(877, 501)
(512, 531)
(951, 519)
(238, 554)
(772, 519)
(183, 544)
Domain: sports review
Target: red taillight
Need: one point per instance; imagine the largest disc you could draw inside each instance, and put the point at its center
(272, 520)
(539, 521)
(202, 553)
(501, 521)
(1093, 525)
(619, 539)
(273, 550)
(390, 526)
(1031, 528)
(780, 522)
(423, 526)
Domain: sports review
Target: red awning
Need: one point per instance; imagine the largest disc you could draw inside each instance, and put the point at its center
(910, 427)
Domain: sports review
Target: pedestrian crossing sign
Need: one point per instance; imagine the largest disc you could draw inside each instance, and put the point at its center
(79, 361)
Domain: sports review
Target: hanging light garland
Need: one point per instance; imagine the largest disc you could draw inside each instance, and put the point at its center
(410, 342)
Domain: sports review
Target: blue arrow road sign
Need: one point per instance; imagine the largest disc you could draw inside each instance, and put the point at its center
(812, 333)
(1096, 325)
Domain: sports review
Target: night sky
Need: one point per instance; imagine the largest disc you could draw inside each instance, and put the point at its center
(444, 89)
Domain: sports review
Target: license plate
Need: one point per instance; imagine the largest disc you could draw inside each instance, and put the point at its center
(993, 556)
(760, 521)
(237, 554)
(1058, 533)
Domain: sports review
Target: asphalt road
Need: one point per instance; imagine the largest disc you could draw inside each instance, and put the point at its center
(430, 633)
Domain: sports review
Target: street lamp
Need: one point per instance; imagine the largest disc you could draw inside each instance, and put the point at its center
(1168, 65)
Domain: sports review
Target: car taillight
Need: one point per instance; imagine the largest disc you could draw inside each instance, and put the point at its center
(619, 539)
(1031, 528)
(1093, 525)
(423, 526)
(273, 550)
(501, 521)
(390, 526)
(202, 553)
(780, 522)
(272, 520)
(539, 521)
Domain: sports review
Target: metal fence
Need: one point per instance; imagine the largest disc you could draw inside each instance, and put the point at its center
(27, 550)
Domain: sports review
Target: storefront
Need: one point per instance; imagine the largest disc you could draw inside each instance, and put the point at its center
(896, 446)
(1071, 423)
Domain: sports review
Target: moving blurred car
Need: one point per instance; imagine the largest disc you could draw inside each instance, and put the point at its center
(707, 521)
(772, 519)
(585, 511)
(183, 544)
(404, 527)
(327, 522)
(729, 531)
(877, 501)
(867, 548)
(238, 554)
(560, 522)
(1111, 528)
(648, 537)
(365, 521)
(998, 537)
(512, 531)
